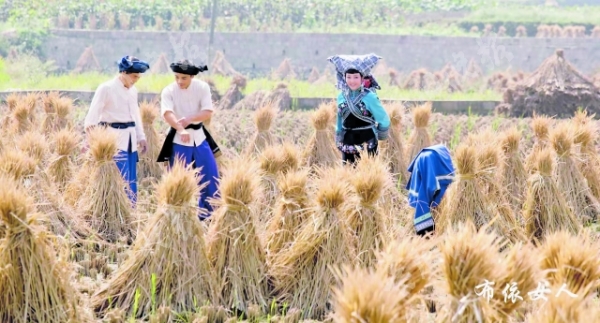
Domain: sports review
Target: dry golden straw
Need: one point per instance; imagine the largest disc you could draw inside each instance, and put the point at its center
(541, 130)
(233, 243)
(33, 144)
(60, 166)
(419, 138)
(321, 150)
(148, 167)
(394, 152)
(588, 160)
(263, 119)
(168, 264)
(512, 171)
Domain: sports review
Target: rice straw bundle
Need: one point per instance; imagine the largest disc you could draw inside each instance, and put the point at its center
(33, 144)
(20, 115)
(168, 257)
(34, 285)
(31, 101)
(570, 180)
(79, 182)
(588, 161)
(565, 309)
(466, 201)
(512, 171)
(50, 103)
(321, 150)
(469, 259)
(419, 138)
(104, 203)
(148, 167)
(233, 244)
(324, 241)
(572, 260)
(60, 167)
(63, 109)
(17, 164)
(581, 118)
(541, 129)
(545, 209)
(290, 212)
(263, 118)
(368, 296)
(367, 219)
(394, 152)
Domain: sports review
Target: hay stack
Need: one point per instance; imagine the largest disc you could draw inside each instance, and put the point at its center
(34, 285)
(554, 88)
(367, 218)
(285, 71)
(33, 144)
(419, 137)
(521, 31)
(87, 62)
(79, 182)
(570, 180)
(469, 259)
(21, 118)
(321, 150)
(564, 308)
(368, 296)
(104, 203)
(314, 75)
(50, 104)
(596, 32)
(234, 93)
(234, 246)
(418, 80)
(16, 164)
(546, 210)
(168, 261)
(324, 241)
(541, 129)
(394, 152)
(148, 167)
(588, 161)
(214, 92)
(262, 138)
(280, 97)
(220, 65)
(252, 101)
(160, 65)
(512, 171)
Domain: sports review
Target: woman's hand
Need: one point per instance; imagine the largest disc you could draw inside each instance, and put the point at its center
(185, 136)
(184, 122)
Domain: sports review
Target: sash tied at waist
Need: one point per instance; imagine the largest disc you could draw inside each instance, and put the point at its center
(117, 125)
(167, 148)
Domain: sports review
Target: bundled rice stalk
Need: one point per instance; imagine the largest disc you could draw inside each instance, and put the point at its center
(148, 167)
(367, 219)
(50, 103)
(20, 116)
(321, 150)
(565, 309)
(233, 243)
(33, 144)
(263, 118)
(324, 241)
(16, 164)
(512, 171)
(60, 166)
(63, 110)
(34, 285)
(570, 180)
(546, 210)
(469, 260)
(313, 76)
(419, 138)
(588, 160)
(168, 264)
(234, 93)
(368, 296)
(31, 101)
(394, 151)
(466, 200)
(540, 126)
(291, 211)
(104, 203)
(79, 182)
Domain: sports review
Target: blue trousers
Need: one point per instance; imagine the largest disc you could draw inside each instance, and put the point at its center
(200, 157)
(127, 163)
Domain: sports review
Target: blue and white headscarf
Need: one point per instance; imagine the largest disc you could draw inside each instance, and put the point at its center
(132, 64)
(362, 63)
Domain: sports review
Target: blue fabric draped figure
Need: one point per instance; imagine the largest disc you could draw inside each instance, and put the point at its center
(432, 172)
(361, 120)
(115, 105)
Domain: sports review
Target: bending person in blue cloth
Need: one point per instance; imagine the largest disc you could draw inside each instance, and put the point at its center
(185, 104)
(361, 119)
(115, 105)
(432, 172)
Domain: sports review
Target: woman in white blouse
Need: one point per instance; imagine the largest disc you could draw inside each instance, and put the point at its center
(185, 104)
(115, 105)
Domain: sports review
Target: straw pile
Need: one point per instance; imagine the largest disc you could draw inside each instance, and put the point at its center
(512, 171)
(284, 71)
(87, 62)
(570, 180)
(21, 118)
(79, 182)
(313, 76)
(469, 259)
(588, 161)
(367, 219)
(418, 80)
(50, 103)
(419, 137)
(16, 164)
(324, 241)
(541, 130)
(34, 285)
(554, 88)
(564, 308)
(252, 101)
(262, 138)
(220, 65)
(233, 244)
(234, 93)
(546, 210)
(394, 152)
(148, 167)
(161, 65)
(104, 203)
(320, 150)
(60, 166)
(168, 261)
(280, 97)
(368, 296)
(34, 145)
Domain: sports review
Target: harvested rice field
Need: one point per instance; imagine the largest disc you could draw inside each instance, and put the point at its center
(296, 236)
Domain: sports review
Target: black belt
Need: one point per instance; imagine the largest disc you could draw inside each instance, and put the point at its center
(118, 125)
(167, 148)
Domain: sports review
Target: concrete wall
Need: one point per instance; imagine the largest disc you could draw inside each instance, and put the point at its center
(259, 53)
(445, 107)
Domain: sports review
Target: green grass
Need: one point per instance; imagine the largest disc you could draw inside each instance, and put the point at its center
(155, 84)
(536, 14)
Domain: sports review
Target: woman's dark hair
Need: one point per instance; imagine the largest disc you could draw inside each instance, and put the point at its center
(352, 71)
